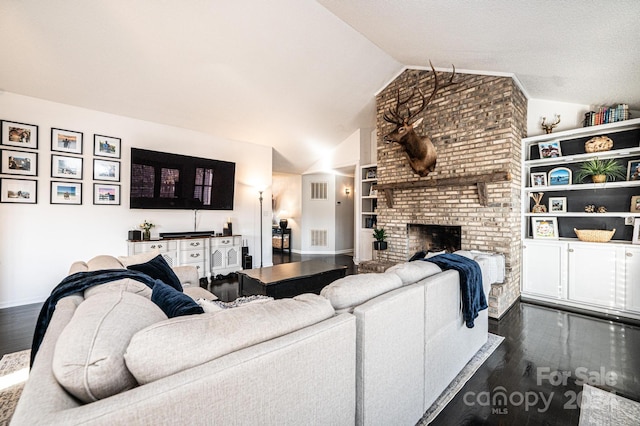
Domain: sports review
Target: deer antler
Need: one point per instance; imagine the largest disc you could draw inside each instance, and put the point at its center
(395, 117)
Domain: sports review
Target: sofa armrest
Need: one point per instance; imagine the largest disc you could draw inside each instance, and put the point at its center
(188, 275)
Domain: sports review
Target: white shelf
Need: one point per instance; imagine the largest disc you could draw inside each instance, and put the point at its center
(583, 186)
(618, 126)
(584, 214)
(578, 158)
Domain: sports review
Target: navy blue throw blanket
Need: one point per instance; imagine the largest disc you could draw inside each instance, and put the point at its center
(473, 299)
(76, 283)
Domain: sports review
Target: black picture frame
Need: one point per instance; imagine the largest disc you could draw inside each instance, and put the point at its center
(66, 193)
(21, 135)
(66, 167)
(15, 162)
(107, 146)
(106, 194)
(106, 170)
(68, 141)
(18, 191)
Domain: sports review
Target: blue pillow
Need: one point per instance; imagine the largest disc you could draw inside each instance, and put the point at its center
(172, 302)
(158, 269)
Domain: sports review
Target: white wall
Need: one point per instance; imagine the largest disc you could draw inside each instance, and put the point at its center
(39, 242)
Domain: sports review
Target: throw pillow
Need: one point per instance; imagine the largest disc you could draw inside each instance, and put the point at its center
(158, 268)
(88, 359)
(172, 302)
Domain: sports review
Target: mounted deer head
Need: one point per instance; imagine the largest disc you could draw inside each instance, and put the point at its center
(420, 150)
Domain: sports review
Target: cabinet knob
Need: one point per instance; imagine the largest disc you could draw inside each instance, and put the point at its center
(159, 245)
(570, 250)
(195, 244)
(153, 246)
(195, 254)
(629, 254)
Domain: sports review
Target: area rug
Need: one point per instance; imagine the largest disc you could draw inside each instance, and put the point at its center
(14, 371)
(603, 408)
(493, 341)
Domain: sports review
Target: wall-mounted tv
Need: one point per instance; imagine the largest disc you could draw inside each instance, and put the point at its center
(161, 180)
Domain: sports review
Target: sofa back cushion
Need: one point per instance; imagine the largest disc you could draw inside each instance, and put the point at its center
(412, 272)
(353, 290)
(88, 359)
(180, 343)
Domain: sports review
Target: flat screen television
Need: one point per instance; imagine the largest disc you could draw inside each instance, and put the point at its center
(162, 180)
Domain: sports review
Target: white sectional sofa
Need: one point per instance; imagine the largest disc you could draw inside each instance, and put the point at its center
(371, 349)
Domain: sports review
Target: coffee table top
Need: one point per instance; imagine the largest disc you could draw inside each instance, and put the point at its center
(288, 271)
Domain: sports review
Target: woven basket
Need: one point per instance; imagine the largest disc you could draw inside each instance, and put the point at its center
(594, 235)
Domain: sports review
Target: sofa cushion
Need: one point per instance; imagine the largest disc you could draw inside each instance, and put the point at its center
(135, 259)
(412, 272)
(173, 303)
(158, 268)
(186, 342)
(88, 359)
(98, 262)
(353, 290)
(125, 284)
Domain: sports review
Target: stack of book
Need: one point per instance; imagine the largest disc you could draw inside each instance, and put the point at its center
(606, 115)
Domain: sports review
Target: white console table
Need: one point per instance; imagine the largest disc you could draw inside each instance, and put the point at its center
(211, 256)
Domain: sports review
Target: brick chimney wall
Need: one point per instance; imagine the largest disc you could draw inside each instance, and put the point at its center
(476, 126)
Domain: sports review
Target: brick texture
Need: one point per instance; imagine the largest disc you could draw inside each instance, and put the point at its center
(476, 127)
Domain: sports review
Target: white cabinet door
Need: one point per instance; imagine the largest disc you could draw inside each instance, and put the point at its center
(593, 273)
(632, 279)
(543, 268)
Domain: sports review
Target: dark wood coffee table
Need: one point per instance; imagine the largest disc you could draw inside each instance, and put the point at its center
(289, 279)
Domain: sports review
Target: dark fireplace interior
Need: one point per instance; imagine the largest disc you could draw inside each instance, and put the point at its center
(432, 238)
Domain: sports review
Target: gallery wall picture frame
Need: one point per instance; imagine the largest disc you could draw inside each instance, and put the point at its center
(18, 191)
(538, 179)
(106, 146)
(66, 167)
(66, 192)
(17, 134)
(557, 204)
(14, 162)
(66, 141)
(633, 169)
(636, 231)
(544, 227)
(550, 149)
(635, 204)
(560, 176)
(106, 194)
(106, 170)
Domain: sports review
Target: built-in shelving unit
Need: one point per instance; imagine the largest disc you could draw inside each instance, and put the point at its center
(367, 211)
(594, 276)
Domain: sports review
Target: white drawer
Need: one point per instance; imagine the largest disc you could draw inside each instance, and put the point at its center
(222, 241)
(161, 246)
(192, 256)
(193, 244)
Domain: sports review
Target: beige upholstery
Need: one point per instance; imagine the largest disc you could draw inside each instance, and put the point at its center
(353, 290)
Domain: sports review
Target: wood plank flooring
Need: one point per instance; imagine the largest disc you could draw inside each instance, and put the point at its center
(533, 378)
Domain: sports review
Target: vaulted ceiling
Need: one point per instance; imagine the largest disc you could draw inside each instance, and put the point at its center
(301, 75)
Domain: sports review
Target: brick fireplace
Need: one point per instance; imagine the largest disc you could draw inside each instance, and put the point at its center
(476, 126)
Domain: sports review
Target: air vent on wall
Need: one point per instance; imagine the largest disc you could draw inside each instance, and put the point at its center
(318, 190)
(318, 238)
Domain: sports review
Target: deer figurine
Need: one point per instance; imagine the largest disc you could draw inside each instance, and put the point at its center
(420, 150)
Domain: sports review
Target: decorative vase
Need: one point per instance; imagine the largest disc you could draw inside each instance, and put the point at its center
(599, 178)
(146, 235)
(538, 208)
(379, 245)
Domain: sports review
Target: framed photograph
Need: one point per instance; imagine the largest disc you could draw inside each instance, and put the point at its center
(66, 167)
(635, 204)
(19, 134)
(373, 192)
(636, 231)
(557, 204)
(19, 163)
(371, 174)
(20, 191)
(544, 227)
(106, 170)
(66, 192)
(66, 141)
(550, 149)
(106, 146)
(633, 170)
(560, 176)
(539, 179)
(106, 194)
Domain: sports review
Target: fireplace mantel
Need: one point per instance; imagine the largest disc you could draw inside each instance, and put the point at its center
(480, 180)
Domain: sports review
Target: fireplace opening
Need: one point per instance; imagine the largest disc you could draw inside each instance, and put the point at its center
(432, 238)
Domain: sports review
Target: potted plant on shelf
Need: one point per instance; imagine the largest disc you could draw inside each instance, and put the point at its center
(380, 235)
(601, 170)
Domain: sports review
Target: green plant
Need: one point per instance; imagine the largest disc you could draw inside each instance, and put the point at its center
(609, 168)
(379, 234)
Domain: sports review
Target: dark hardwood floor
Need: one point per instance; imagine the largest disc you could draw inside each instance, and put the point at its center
(533, 378)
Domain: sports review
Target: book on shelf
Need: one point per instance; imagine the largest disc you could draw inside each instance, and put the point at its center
(605, 115)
